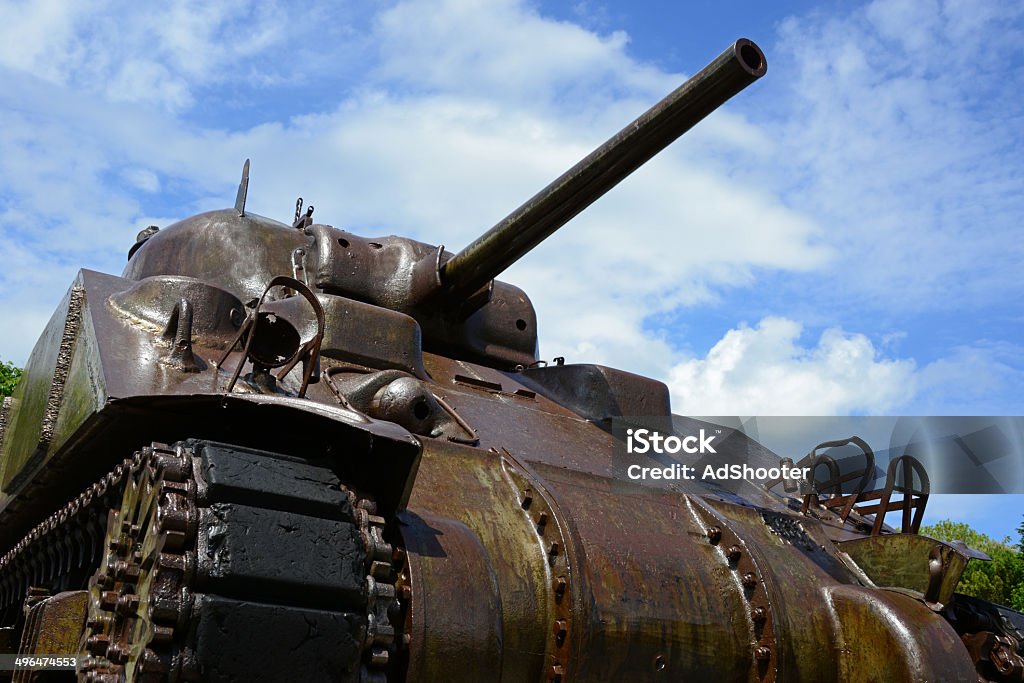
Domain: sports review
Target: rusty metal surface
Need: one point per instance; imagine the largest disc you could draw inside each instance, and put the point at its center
(498, 327)
(886, 636)
(207, 246)
(57, 621)
(509, 547)
(449, 570)
(599, 393)
(931, 568)
(31, 410)
(659, 585)
(52, 627)
(363, 334)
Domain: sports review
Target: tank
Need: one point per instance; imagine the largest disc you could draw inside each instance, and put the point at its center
(273, 451)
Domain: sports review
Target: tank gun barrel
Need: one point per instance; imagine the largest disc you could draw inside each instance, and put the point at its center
(576, 189)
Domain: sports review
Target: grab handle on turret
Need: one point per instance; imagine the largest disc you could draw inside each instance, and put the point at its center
(576, 189)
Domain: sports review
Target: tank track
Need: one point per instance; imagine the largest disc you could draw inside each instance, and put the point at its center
(66, 545)
(221, 563)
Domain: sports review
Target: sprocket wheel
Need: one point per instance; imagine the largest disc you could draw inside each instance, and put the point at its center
(136, 594)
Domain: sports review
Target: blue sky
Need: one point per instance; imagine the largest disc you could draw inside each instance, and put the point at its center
(843, 237)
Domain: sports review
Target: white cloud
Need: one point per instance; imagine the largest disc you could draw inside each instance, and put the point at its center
(903, 135)
(764, 370)
(984, 378)
(502, 50)
(142, 178)
(29, 32)
(143, 80)
(150, 54)
(769, 369)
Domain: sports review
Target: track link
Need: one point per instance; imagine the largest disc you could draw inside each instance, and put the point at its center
(224, 564)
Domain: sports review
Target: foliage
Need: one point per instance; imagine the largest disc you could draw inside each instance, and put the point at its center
(9, 376)
(1001, 580)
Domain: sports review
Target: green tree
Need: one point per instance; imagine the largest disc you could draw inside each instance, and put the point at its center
(9, 376)
(1001, 580)
(1018, 592)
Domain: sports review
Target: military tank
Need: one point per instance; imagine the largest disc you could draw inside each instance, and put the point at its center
(275, 452)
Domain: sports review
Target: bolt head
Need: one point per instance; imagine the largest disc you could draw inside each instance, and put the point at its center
(126, 604)
(126, 571)
(108, 600)
(97, 644)
(117, 654)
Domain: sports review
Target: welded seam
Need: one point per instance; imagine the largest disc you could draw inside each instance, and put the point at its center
(55, 399)
(5, 413)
